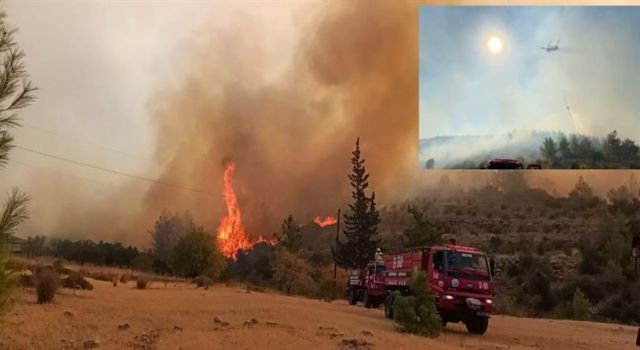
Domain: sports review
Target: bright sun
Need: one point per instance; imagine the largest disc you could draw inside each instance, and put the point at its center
(495, 45)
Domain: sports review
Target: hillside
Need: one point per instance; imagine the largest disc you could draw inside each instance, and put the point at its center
(469, 151)
(182, 317)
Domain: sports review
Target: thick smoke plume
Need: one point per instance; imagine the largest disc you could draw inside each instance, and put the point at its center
(290, 136)
(288, 127)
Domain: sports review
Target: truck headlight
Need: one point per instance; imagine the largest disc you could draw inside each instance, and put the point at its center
(489, 301)
(447, 297)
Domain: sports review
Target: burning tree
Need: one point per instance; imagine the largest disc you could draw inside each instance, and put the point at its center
(361, 223)
(231, 235)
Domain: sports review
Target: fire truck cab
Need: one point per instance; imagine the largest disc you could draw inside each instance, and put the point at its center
(367, 285)
(460, 278)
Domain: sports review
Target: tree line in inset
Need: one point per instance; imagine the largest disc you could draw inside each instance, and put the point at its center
(584, 152)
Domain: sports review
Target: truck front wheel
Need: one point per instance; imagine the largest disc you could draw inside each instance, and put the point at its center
(352, 297)
(477, 325)
(388, 306)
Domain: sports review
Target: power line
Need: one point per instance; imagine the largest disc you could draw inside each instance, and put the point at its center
(137, 177)
(105, 148)
(102, 183)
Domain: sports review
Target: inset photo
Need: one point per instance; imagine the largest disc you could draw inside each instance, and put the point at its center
(506, 87)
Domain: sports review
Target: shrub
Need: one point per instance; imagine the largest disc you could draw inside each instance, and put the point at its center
(202, 281)
(102, 276)
(292, 272)
(115, 280)
(141, 282)
(196, 254)
(580, 306)
(7, 280)
(325, 287)
(417, 313)
(47, 280)
(58, 266)
(124, 278)
(76, 281)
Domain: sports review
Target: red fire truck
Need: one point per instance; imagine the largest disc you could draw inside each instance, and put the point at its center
(367, 285)
(460, 278)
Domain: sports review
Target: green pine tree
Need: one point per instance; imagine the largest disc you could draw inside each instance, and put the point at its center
(422, 232)
(417, 313)
(549, 151)
(361, 223)
(290, 236)
(580, 306)
(16, 92)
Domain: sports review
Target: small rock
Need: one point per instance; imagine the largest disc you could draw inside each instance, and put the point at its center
(68, 314)
(271, 324)
(251, 322)
(332, 332)
(217, 320)
(177, 328)
(355, 344)
(90, 344)
(123, 327)
(366, 333)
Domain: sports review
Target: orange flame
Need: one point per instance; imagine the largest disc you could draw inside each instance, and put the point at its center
(328, 221)
(231, 235)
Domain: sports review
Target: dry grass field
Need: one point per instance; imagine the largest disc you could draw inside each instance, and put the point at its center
(178, 316)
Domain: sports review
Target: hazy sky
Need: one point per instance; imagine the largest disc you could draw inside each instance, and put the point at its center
(465, 89)
(97, 66)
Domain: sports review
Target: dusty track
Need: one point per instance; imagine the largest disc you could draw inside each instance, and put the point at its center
(74, 319)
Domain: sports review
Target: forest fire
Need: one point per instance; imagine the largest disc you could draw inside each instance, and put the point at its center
(231, 235)
(328, 221)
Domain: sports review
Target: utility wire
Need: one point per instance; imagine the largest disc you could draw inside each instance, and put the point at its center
(137, 177)
(79, 140)
(101, 183)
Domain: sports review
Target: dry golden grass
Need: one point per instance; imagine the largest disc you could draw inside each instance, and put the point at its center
(181, 316)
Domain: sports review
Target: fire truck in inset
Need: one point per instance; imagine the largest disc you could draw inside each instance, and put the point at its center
(459, 277)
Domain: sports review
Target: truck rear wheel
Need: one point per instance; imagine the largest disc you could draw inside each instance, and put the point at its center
(352, 297)
(388, 306)
(477, 325)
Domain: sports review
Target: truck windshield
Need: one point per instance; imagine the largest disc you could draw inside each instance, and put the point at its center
(467, 265)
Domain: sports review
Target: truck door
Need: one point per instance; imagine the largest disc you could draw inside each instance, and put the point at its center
(436, 269)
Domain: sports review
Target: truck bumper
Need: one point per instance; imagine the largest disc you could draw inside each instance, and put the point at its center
(459, 304)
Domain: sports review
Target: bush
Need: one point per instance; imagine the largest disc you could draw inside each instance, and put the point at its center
(47, 280)
(141, 282)
(58, 266)
(417, 313)
(7, 280)
(292, 273)
(103, 276)
(325, 287)
(196, 254)
(124, 278)
(580, 306)
(76, 281)
(202, 281)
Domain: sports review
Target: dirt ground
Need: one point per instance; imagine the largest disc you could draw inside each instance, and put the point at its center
(182, 317)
